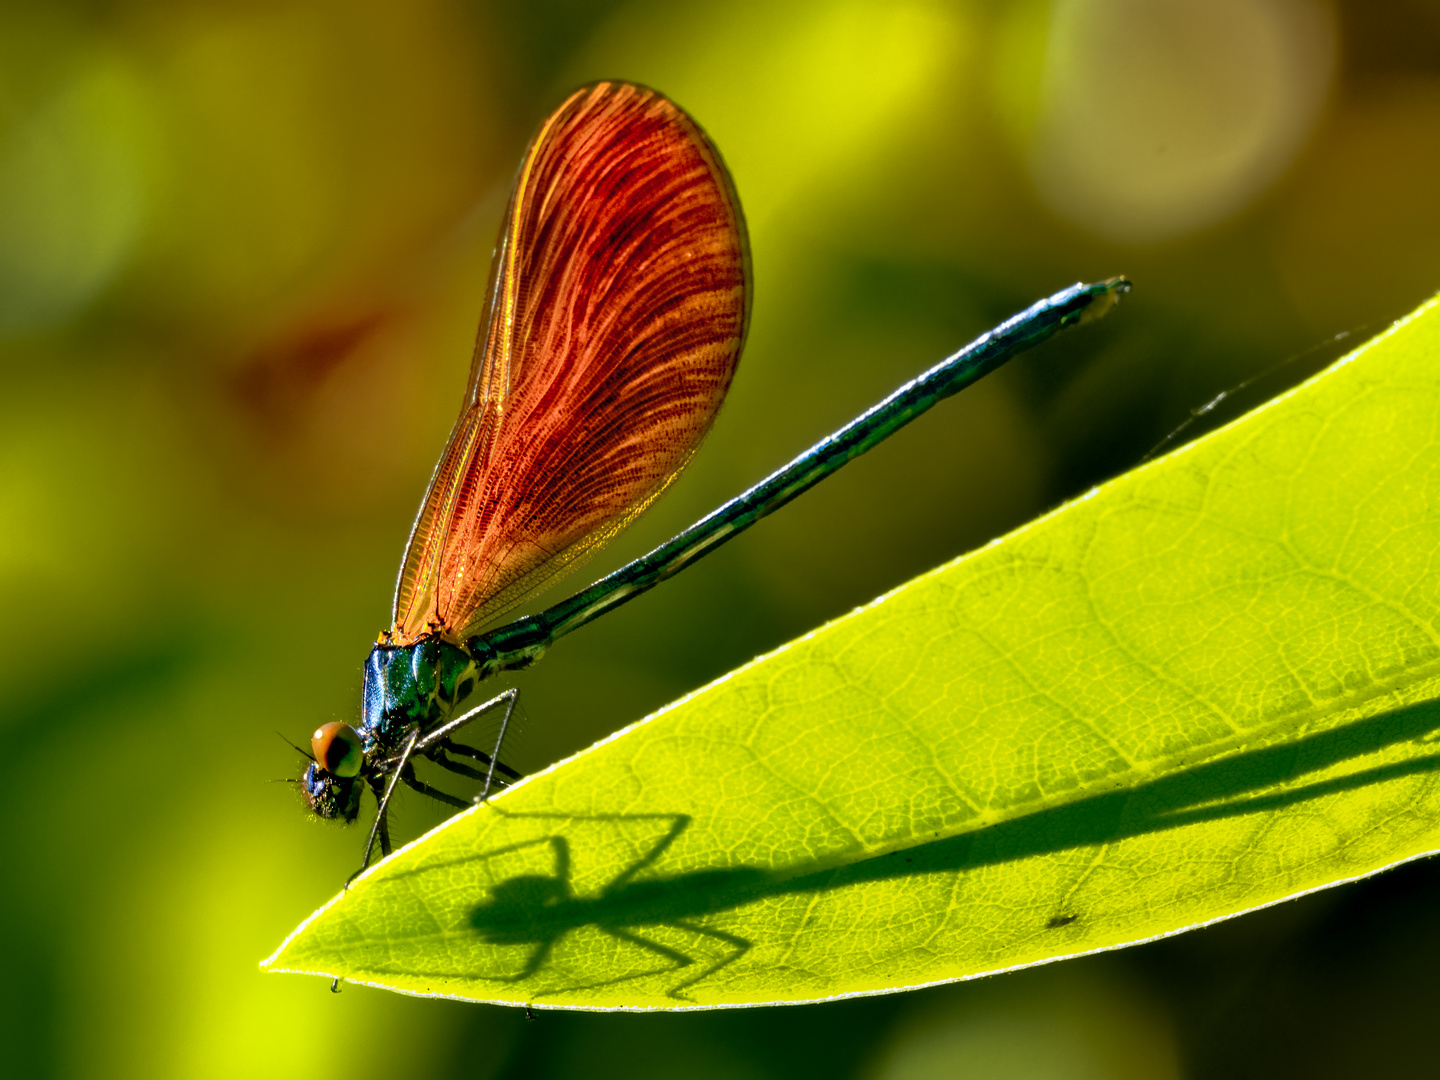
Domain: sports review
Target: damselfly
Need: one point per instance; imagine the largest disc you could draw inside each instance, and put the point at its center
(618, 303)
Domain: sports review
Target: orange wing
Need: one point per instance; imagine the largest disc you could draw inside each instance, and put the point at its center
(616, 312)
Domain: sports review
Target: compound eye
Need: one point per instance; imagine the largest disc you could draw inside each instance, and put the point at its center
(337, 749)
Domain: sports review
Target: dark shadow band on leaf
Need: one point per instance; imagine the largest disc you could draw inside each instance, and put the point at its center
(1228, 788)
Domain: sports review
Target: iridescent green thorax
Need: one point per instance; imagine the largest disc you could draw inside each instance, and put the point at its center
(409, 684)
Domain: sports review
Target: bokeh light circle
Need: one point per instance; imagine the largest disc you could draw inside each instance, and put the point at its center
(1157, 119)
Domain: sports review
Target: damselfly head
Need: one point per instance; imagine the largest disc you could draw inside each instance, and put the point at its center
(330, 796)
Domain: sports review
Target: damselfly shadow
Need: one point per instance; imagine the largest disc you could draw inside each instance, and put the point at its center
(546, 897)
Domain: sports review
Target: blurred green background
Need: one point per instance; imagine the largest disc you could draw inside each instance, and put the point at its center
(242, 249)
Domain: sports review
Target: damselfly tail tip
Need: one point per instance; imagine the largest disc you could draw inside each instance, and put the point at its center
(1106, 296)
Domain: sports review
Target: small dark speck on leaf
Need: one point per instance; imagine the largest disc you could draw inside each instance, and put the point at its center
(1059, 921)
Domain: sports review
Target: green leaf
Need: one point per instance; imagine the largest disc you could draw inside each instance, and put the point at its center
(1205, 687)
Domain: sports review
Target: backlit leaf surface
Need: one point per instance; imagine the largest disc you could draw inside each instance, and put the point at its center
(1204, 687)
